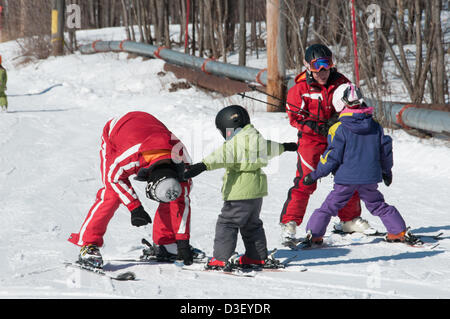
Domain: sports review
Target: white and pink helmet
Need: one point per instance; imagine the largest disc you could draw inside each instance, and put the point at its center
(347, 95)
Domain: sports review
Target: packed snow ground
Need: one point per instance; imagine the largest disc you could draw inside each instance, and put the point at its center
(49, 176)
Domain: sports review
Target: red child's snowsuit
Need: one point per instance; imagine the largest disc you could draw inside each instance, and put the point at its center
(308, 95)
(125, 141)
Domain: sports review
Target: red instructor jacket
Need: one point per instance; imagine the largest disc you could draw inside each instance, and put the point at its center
(128, 139)
(308, 101)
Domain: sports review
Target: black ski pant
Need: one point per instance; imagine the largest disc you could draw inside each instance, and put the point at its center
(243, 216)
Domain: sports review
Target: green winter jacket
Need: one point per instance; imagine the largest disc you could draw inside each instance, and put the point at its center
(243, 156)
(3, 81)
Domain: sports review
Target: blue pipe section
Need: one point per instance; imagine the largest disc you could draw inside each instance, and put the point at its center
(414, 117)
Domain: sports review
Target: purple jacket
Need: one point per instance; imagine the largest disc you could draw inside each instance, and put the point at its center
(358, 152)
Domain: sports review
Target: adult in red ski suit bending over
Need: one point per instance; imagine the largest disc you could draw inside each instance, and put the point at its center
(309, 108)
(139, 144)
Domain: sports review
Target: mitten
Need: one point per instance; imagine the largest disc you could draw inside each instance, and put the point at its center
(387, 179)
(323, 130)
(194, 170)
(290, 147)
(139, 217)
(308, 180)
(185, 252)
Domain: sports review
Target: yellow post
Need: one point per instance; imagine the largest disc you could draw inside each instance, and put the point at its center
(58, 27)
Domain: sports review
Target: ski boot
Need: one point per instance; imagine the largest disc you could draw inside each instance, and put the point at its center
(310, 241)
(356, 225)
(215, 264)
(232, 264)
(288, 232)
(246, 262)
(403, 237)
(161, 253)
(90, 256)
(167, 253)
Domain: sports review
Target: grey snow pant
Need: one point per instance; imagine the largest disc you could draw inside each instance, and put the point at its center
(243, 216)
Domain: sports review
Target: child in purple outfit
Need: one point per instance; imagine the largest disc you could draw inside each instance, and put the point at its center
(360, 156)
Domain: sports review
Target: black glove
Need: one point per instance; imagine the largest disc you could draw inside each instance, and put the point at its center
(139, 217)
(194, 170)
(323, 129)
(333, 119)
(387, 179)
(180, 168)
(290, 147)
(185, 252)
(308, 180)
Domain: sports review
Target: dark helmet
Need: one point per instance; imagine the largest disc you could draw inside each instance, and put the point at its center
(317, 51)
(231, 118)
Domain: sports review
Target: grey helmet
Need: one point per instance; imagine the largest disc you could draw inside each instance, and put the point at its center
(163, 185)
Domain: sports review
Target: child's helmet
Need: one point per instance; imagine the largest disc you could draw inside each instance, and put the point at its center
(231, 118)
(347, 95)
(163, 185)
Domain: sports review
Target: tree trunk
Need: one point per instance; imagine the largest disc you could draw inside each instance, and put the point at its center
(242, 33)
(438, 56)
(275, 56)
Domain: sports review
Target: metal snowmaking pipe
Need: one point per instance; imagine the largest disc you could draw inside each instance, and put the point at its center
(405, 115)
(173, 57)
(412, 116)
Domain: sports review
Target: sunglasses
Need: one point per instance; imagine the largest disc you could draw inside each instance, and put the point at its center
(317, 65)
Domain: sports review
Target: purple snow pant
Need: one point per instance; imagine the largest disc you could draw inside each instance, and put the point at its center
(371, 197)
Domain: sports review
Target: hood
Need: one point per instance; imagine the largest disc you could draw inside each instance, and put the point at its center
(358, 121)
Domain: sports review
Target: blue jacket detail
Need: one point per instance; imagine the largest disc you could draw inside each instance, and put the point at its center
(358, 152)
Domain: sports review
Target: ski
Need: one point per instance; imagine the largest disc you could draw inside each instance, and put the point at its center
(282, 266)
(238, 272)
(376, 233)
(150, 254)
(422, 245)
(304, 243)
(437, 236)
(272, 265)
(153, 260)
(126, 276)
(418, 241)
(293, 243)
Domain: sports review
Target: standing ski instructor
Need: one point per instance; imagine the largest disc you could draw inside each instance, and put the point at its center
(309, 108)
(139, 144)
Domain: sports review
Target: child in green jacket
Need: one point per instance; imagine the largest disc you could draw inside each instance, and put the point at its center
(3, 81)
(243, 155)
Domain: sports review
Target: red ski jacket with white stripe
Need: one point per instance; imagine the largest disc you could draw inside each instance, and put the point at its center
(134, 141)
(308, 101)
